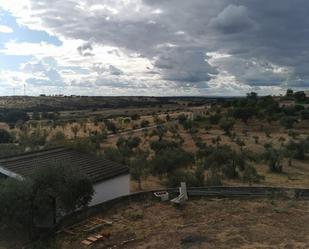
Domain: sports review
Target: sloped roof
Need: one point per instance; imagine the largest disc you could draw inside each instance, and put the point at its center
(96, 168)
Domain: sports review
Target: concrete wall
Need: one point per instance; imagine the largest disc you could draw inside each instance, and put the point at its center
(110, 189)
(207, 192)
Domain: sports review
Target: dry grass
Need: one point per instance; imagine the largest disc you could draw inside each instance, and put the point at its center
(206, 223)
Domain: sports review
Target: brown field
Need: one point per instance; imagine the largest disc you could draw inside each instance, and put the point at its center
(84, 120)
(295, 176)
(203, 223)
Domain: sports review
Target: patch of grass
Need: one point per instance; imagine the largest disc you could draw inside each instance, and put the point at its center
(283, 209)
(193, 241)
(135, 215)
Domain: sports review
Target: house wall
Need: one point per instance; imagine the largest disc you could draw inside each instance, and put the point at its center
(110, 189)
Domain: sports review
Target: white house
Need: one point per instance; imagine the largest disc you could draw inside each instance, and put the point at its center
(110, 179)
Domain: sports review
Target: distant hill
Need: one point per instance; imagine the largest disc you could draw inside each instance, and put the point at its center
(61, 103)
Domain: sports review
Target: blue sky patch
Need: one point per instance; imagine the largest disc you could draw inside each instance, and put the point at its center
(12, 62)
(22, 33)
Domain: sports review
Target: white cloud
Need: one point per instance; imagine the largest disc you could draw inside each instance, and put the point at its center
(5, 29)
(188, 47)
(65, 66)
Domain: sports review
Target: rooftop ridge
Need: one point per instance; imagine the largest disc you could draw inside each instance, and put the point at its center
(31, 154)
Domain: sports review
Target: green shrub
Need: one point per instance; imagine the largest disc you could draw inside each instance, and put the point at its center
(213, 178)
(274, 159)
(169, 160)
(144, 123)
(250, 175)
(5, 136)
(227, 124)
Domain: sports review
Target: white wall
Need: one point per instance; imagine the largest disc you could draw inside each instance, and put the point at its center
(110, 189)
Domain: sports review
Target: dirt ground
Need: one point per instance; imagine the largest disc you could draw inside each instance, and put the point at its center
(203, 223)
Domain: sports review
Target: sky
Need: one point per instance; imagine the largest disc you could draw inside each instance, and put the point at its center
(153, 47)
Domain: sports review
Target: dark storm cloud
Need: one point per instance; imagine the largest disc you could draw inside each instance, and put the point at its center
(232, 19)
(267, 40)
(279, 38)
(86, 49)
(111, 70)
(185, 65)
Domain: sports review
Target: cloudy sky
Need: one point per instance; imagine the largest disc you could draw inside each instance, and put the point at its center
(153, 47)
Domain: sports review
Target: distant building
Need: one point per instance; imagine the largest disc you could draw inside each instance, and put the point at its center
(286, 103)
(307, 94)
(110, 179)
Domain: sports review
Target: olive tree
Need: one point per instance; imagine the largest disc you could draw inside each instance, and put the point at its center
(54, 187)
(168, 160)
(227, 124)
(296, 150)
(75, 129)
(288, 122)
(274, 159)
(244, 113)
(139, 167)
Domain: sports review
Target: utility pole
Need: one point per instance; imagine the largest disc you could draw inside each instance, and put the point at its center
(24, 89)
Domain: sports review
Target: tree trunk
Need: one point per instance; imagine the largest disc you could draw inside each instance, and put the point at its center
(139, 183)
(290, 162)
(54, 207)
(31, 221)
